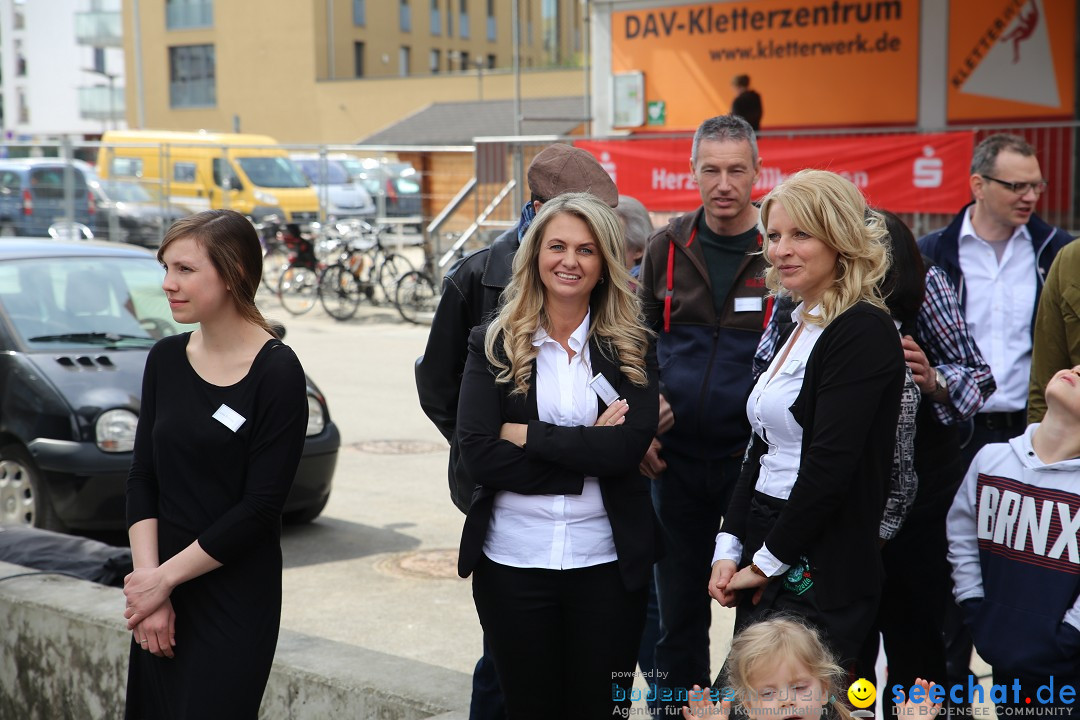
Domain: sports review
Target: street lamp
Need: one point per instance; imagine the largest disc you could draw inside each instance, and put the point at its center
(111, 77)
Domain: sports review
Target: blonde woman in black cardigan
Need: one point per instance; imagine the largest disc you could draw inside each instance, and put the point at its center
(801, 533)
(560, 535)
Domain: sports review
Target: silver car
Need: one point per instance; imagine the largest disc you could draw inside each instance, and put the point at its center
(339, 196)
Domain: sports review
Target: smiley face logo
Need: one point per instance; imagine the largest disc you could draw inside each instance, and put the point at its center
(862, 693)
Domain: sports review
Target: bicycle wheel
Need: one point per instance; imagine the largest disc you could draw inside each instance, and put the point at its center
(416, 297)
(298, 289)
(274, 262)
(339, 291)
(391, 270)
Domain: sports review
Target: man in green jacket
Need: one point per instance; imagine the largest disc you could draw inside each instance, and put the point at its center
(1057, 327)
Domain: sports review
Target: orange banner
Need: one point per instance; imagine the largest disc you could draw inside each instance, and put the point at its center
(903, 173)
(1011, 59)
(814, 62)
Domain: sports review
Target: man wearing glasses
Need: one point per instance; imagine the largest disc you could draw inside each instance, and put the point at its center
(997, 253)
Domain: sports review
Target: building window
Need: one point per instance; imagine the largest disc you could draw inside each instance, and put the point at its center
(403, 61)
(491, 62)
(358, 59)
(184, 14)
(464, 61)
(463, 19)
(436, 18)
(434, 60)
(491, 20)
(23, 107)
(549, 10)
(99, 60)
(449, 18)
(359, 13)
(192, 76)
(404, 16)
(19, 12)
(528, 22)
(20, 59)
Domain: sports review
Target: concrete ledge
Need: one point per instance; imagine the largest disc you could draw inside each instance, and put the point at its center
(64, 650)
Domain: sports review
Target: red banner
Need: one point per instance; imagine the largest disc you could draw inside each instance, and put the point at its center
(903, 172)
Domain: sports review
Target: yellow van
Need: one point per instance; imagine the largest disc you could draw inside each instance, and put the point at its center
(251, 174)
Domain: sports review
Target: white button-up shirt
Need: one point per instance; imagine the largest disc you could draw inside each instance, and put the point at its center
(768, 409)
(1000, 302)
(556, 532)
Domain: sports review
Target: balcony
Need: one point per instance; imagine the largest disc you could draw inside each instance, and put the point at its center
(99, 29)
(189, 14)
(95, 103)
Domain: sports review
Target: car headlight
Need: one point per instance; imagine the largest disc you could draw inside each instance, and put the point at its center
(316, 416)
(265, 198)
(115, 430)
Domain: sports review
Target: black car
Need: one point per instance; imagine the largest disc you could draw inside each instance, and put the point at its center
(76, 322)
(128, 211)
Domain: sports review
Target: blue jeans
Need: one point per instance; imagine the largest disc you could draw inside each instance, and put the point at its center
(690, 500)
(487, 697)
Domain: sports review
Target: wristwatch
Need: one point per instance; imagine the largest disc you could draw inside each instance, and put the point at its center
(940, 383)
(757, 571)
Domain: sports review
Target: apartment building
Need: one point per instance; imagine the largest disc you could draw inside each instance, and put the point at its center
(61, 69)
(307, 71)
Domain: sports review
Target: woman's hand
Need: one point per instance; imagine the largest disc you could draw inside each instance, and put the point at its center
(923, 709)
(701, 706)
(747, 579)
(516, 433)
(145, 590)
(157, 633)
(722, 572)
(614, 415)
(916, 359)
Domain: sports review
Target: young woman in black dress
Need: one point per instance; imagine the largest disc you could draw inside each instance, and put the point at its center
(220, 434)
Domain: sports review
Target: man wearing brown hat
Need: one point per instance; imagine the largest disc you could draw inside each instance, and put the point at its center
(471, 292)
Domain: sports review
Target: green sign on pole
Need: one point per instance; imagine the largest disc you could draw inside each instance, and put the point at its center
(656, 112)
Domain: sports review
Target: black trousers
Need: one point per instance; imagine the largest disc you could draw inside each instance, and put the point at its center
(958, 643)
(843, 629)
(565, 642)
(917, 593)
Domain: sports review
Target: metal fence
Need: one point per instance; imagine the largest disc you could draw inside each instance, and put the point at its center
(439, 194)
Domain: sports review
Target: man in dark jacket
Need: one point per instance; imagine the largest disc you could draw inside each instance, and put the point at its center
(747, 103)
(471, 292)
(997, 253)
(704, 294)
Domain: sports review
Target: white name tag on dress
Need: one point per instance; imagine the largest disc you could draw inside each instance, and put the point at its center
(792, 367)
(748, 304)
(229, 417)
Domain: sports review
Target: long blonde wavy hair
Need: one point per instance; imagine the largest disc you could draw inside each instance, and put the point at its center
(831, 209)
(616, 317)
(763, 644)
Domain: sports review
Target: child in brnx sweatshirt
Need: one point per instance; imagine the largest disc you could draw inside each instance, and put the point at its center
(1013, 544)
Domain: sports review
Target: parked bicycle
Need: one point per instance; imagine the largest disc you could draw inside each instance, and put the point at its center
(366, 270)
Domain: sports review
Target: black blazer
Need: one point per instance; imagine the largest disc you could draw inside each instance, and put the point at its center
(848, 408)
(555, 459)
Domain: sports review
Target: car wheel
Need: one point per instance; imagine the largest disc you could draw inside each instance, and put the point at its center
(305, 515)
(23, 498)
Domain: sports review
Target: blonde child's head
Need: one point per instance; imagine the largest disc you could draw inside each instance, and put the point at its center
(779, 668)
